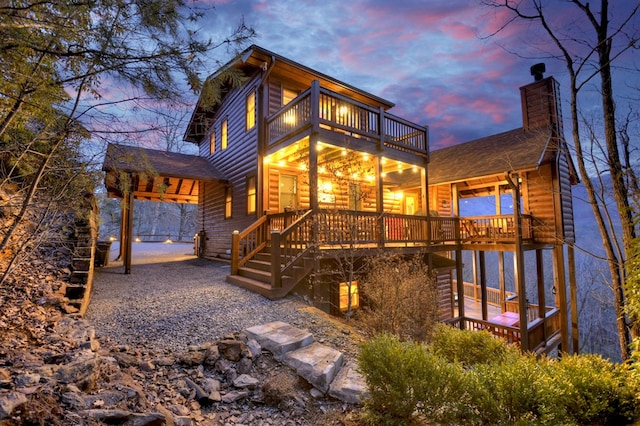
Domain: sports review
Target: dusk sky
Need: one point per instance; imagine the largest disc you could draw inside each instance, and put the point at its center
(433, 58)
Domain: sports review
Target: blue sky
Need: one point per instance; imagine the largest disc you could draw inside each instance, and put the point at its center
(433, 58)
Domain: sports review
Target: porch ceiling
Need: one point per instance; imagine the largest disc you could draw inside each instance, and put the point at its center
(156, 175)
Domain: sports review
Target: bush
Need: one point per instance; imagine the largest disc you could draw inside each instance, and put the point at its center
(469, 348)
(393, 370)
(409, 382)
(399, 297)
(596, 391)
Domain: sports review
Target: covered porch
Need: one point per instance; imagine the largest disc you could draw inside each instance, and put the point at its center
(499, 314)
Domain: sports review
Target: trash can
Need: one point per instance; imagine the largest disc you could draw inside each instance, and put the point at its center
(103, 248)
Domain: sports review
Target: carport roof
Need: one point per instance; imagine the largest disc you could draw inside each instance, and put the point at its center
(157, 175)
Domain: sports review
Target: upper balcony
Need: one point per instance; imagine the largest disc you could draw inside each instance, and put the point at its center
(320, 109)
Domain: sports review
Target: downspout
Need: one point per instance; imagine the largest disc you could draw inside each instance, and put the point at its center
(261, 137)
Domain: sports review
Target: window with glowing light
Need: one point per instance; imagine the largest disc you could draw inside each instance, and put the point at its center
(212, 142)
(228, 202)
(252, 195)
(344, 296)
(251, 110)
(224, 134)
(288, 95)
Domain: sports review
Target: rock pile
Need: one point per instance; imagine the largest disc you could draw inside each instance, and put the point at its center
(231, 381)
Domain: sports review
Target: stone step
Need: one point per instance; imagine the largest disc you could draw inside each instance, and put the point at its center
(317, 364)
(279, 337)
(320, 365)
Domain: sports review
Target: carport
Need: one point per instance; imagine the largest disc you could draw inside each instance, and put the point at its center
(134, 173)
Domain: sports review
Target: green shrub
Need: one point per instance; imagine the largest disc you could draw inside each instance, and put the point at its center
(596, 391)
(454, 382)
(392, 370)
(469, 348)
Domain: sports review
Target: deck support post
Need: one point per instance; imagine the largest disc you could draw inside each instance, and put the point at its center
(483, 285)
(575, 340)
(235, 252)
(128, 231)
(561, 287)
(518, 258)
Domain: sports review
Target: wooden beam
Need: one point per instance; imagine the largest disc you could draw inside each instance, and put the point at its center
(575, 335)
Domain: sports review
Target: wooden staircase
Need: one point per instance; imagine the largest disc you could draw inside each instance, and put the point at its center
(257, 274)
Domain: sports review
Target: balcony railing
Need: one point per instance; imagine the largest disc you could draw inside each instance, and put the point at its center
(541, 331)
(494, 229)
(325, 109)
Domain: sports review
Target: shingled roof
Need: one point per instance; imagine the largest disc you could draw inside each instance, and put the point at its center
(515, 150)
(142, 160)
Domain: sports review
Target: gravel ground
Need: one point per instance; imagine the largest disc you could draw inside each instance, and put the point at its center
(172, 300)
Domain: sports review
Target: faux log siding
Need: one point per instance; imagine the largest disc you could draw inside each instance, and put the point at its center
(211, 217)
(566, 199)
(539, 194)
(440, 194)
(234, 163)
(445, 296)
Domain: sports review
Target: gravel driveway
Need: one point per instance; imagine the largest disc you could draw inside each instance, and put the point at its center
(172, 300)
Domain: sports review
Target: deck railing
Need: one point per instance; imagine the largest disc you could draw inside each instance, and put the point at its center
(541, 331)
(494, 297)
(341, 114)
(495, 228)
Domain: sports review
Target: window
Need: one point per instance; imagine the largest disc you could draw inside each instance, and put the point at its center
(224, 135)
(344, 296)
(288, 192)
(228, 202)
(212, 142)
(252, 195)
(251, 110)
(288, 95)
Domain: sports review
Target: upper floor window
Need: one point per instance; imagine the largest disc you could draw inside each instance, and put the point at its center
(252, 194)
(224, 134)
(212, 142)
(251, 110)
(288, 95)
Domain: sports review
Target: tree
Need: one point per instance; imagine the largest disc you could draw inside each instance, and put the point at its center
(590, 47)
(72, 70)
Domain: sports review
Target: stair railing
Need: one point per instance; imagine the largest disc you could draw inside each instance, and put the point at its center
(289, 246)
(245, 244)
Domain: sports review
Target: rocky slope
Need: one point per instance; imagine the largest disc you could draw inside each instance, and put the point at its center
(54, 371)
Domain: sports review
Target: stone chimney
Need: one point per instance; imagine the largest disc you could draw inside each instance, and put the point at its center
(541, 102)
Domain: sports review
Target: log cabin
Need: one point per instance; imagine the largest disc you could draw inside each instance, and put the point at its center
(298, 171)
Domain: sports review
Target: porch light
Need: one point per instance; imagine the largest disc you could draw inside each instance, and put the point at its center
(302, 167)
(138, 239)
(415, 169)
(168, 241)
(400, 170)
(267, 159)
(371, 178)
(355, 175)
(322, 169)
(281, 163)
(398, 195)
(365, 156)
(383, 160)
(344, 152)
(112, 238)
(319, 146)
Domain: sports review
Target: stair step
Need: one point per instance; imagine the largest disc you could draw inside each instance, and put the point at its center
(255, 274)
(75, 291)
(250, 284)
(261, 265)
